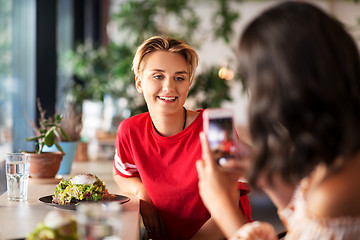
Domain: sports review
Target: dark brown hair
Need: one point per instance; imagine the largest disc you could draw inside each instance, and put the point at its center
(303, 71)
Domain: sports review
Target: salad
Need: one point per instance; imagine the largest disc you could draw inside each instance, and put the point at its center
(56, 226)
(82, 187)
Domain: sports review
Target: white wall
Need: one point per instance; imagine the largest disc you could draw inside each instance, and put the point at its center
(216, 52)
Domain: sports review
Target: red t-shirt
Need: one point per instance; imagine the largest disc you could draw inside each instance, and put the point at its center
(166, 166)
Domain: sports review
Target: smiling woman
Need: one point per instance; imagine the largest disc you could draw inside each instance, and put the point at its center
(156, 151)
(165, 84)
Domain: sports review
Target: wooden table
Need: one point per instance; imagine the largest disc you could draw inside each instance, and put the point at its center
(18, 219)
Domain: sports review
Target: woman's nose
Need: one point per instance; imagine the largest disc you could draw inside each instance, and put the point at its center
(168, 84)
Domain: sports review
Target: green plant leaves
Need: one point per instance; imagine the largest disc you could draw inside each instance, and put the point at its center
(225, 18)
(49, 137)
(58, 118)
(64, 134)
(50, 130)
(107, 69)
(209, 89)
(58, 147)
(34, 138)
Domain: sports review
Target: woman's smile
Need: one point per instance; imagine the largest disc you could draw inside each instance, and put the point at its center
(167, 99)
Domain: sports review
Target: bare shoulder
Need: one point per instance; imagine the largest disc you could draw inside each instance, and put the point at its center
(338, 194)
(191, 116)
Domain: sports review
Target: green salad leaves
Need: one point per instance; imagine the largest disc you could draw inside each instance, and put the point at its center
(66, 192)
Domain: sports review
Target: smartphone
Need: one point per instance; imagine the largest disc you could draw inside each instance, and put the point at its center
(219, 128)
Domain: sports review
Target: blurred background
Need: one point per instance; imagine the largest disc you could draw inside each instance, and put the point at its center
(74, 57)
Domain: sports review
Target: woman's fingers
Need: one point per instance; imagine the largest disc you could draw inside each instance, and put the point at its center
(200, 168)
(206, 152)
(237, 166)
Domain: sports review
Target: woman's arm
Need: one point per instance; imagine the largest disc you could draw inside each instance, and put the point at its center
(219, 191)
(132, 185)
(209, 231)
(151, 218)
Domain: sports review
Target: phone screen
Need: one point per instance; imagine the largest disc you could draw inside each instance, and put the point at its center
(221, 138)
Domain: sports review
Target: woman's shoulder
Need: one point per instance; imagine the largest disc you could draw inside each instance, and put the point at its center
(140, 118)
(134, 122)
(193, 115)
(338, 194)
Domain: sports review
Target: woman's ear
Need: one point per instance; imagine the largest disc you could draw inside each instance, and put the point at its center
(138, 84)
(191, 82)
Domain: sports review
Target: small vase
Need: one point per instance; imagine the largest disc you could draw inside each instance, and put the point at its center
(45, 165)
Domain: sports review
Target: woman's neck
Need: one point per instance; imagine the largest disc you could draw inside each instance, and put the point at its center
(169, 125)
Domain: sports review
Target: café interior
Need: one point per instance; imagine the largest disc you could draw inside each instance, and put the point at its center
(74, 58)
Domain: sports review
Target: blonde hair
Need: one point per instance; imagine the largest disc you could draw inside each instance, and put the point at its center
(158, 43)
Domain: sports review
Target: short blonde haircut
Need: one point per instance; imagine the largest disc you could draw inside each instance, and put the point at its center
(159, 43)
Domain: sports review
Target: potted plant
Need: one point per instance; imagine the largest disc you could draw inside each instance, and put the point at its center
(46, 164)
(71, 124)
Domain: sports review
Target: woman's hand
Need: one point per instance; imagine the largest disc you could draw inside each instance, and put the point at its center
(218, 189)
(151, 217)
(217, 183)
(255, 230)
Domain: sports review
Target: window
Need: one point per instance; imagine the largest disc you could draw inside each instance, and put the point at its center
(17, 74)
(5, 78)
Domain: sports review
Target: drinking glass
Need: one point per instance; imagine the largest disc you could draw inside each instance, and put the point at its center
(17, 176)
(99, 220)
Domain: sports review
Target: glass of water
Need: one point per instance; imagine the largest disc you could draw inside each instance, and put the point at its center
(17, 176)
(99, 221)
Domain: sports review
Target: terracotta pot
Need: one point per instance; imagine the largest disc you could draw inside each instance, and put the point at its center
(45, 165)
(81, 154)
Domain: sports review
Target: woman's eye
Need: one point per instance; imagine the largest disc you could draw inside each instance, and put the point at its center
(159, 77)
(179, 79)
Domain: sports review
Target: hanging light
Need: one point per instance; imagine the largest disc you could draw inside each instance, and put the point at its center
(225, 73)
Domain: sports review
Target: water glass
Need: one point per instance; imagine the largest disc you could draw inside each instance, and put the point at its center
(17, 176)
(99, 221)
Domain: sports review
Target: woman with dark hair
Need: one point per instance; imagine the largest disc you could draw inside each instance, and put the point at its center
(303, 71)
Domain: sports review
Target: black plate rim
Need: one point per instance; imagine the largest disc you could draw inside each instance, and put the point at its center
(48, 200)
